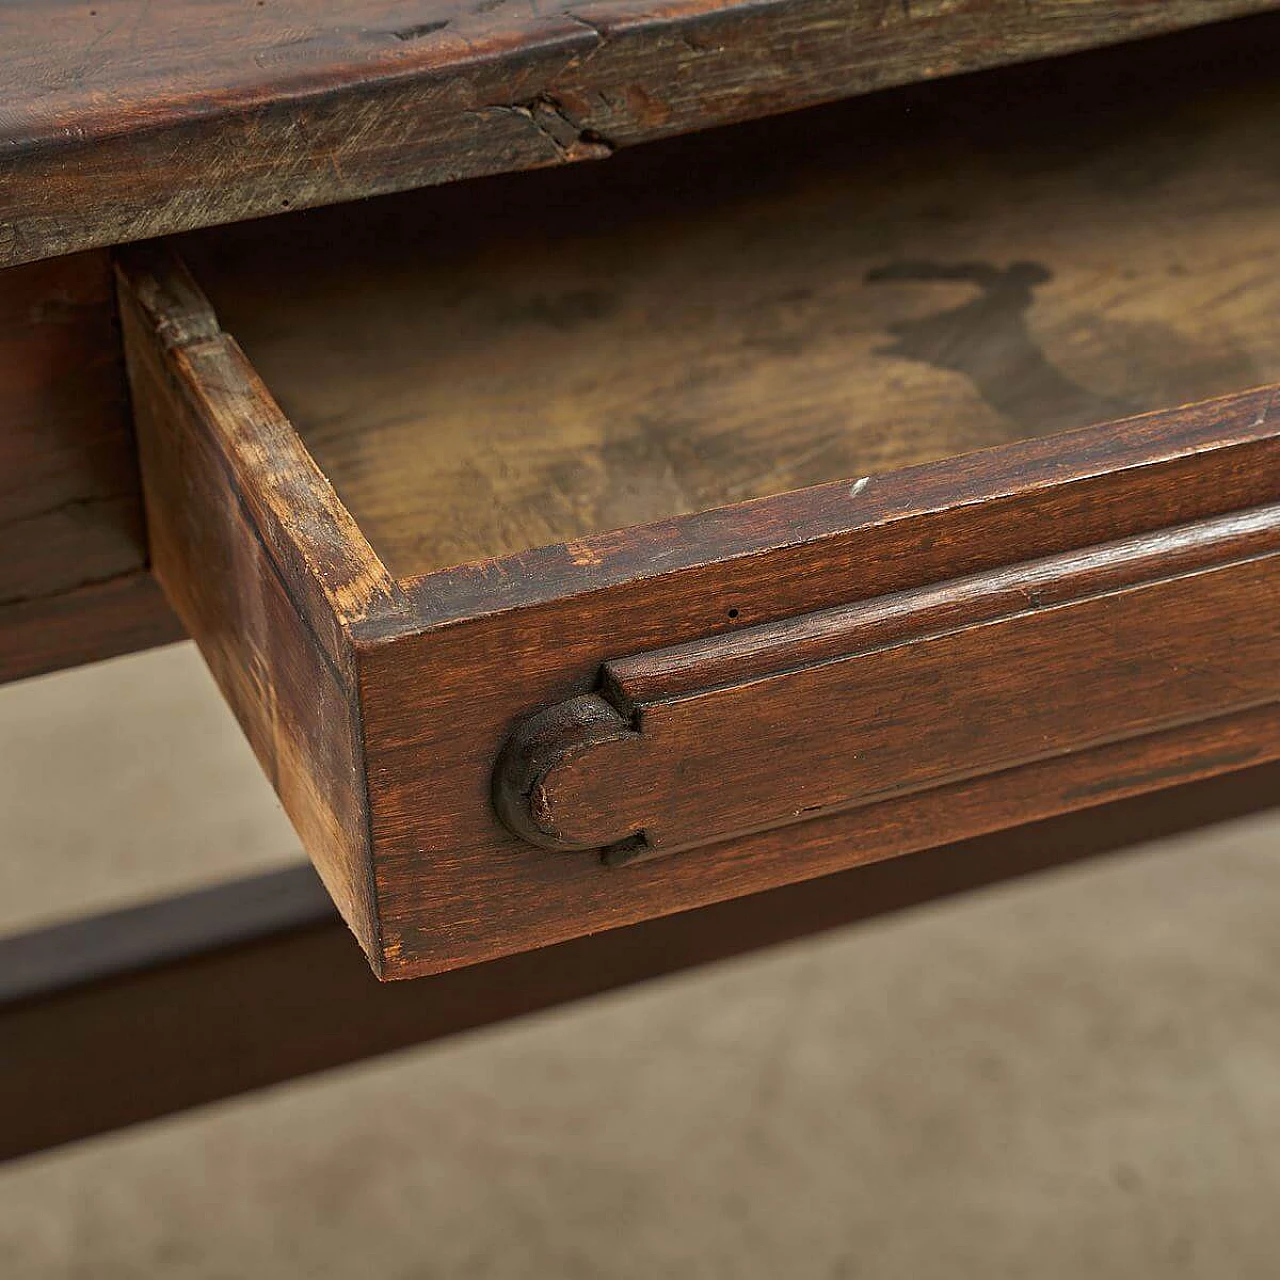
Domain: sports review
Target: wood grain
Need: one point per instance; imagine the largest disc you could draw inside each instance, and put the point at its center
(842, 708)
(837, 294)
(73, 583)
(122, 1019)
(135, 118)
(262, 565)
(308, 536)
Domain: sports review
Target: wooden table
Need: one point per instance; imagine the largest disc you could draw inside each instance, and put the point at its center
(619, 566)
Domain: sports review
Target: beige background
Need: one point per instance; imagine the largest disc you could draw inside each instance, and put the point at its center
(1074, 1076)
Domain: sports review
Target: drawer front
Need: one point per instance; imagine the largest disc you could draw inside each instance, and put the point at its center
(765, 693)
(449, 711)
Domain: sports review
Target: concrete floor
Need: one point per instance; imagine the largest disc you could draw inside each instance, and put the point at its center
(1073, 1077)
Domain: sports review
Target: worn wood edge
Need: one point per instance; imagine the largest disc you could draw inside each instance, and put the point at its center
(305, 528)
(1014, 479)
(907, 826)
(515, 116)
(104, 1034)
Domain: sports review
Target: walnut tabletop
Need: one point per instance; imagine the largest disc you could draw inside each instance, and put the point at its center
(124, 119)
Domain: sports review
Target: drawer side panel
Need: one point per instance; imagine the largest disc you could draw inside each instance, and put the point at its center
(285, 681)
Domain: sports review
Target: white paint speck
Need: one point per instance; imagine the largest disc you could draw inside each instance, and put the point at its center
(859, 485)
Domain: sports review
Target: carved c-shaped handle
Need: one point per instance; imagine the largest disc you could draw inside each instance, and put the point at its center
(536, 774)
(784, 721)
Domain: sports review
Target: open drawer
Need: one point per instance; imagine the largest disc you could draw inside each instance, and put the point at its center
(589, 545)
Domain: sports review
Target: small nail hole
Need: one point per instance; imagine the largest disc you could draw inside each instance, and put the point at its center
(733, 613)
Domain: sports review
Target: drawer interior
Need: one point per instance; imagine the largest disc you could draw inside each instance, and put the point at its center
(845, 291)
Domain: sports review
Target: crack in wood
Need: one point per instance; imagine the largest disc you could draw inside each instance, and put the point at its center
(571, 139)
(419, 30)
(25, 598)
